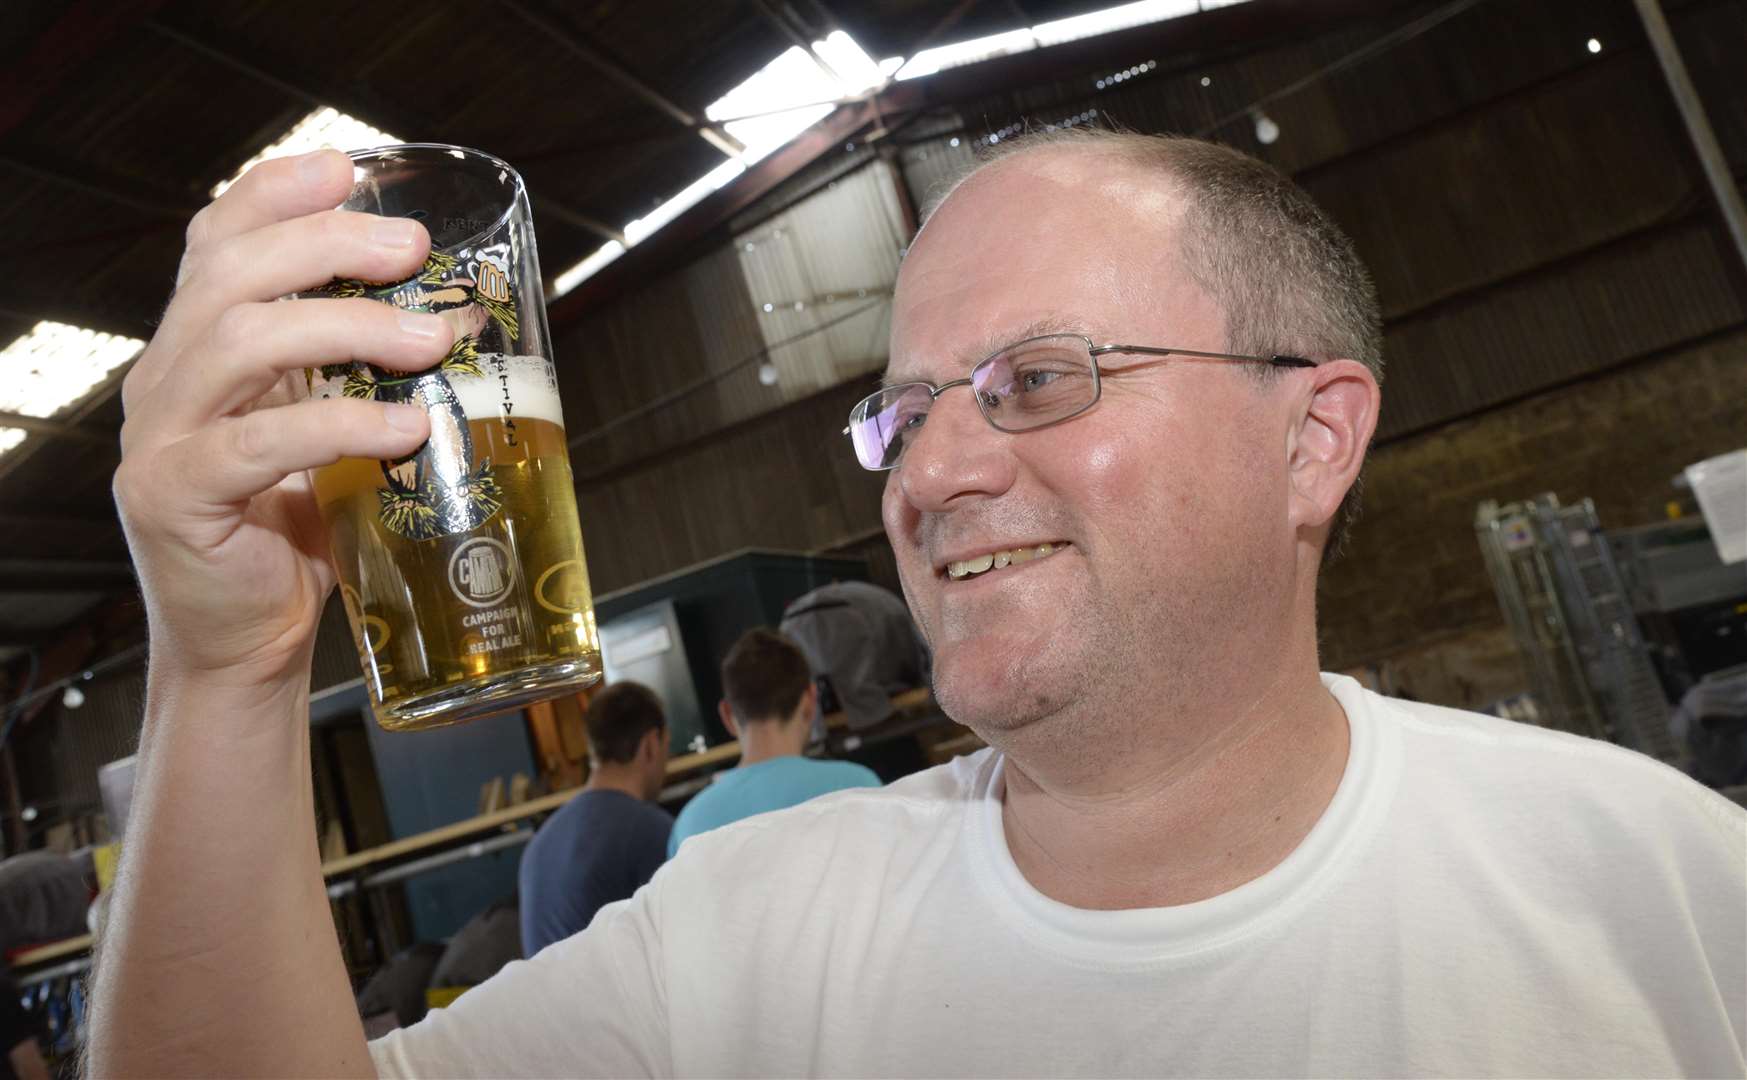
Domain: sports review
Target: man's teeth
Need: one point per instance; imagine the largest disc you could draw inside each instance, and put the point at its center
(997, 560)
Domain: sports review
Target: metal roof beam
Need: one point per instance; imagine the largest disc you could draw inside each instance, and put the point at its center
(796, 36)
(31, 308)
(622, 75)
(356, 101)
(127, 192)
(63, 576)
(1248, 26)
(60, 429)
(55, 518)
(95, 400)
(670, 243)
(63, 49)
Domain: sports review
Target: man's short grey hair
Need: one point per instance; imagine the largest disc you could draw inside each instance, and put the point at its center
(1287, 278)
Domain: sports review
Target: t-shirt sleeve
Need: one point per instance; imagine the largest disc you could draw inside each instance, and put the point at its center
(591, 1005)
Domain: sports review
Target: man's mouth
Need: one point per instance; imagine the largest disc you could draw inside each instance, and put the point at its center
(1000, 560)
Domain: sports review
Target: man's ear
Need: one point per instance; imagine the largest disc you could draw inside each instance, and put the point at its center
(727, 715)
(1327, 443)
(808, 706)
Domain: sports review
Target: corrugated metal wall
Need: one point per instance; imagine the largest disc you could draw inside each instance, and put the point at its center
(680, 358)
(830, 260)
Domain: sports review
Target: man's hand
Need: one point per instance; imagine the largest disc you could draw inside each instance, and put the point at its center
(223, 526)
(219, 957)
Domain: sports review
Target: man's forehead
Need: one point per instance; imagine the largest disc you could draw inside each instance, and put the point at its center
(914, 368)
(1058, 239)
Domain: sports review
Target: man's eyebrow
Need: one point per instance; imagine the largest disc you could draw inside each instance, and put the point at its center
(1039, 327)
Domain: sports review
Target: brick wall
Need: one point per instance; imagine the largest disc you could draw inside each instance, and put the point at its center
(1412, 594)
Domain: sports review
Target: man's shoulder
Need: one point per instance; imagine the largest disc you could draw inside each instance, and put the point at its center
(1532, 768)
(590, 810)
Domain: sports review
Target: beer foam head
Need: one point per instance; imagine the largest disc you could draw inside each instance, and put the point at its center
(522, 387)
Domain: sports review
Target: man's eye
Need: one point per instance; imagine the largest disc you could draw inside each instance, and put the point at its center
(1037, 380)
(911, 420)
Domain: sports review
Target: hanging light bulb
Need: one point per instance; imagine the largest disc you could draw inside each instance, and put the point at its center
(768, 374)
(73, 698)
(1267, 132)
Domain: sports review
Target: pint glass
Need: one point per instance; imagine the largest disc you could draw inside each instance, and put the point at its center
(461, 564)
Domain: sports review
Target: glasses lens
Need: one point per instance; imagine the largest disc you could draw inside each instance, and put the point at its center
(882, 422)
(1036, 383)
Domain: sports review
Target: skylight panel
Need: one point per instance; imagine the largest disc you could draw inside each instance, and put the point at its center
(941, 57)
(1109, 20)
(54, 366)
(779, 101)
(323, 127)
(786, 96)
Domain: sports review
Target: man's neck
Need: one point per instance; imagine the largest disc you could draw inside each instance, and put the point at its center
(613, 776)
(762, 740)
(1185, 818)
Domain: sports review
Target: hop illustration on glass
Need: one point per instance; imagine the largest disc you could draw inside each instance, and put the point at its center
(438, 489)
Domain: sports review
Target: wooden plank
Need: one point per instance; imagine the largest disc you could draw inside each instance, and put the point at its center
(508, 815)
(56, 951)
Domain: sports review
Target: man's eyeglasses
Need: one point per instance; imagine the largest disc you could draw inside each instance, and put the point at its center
(1029, 385)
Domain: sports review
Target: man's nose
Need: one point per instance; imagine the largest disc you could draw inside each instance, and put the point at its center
(956, 456)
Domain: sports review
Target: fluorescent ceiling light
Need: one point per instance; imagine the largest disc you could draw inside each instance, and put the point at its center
(323, 127)
(54, 366)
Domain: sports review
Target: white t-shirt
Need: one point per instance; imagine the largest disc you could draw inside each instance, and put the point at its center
(1481, 898)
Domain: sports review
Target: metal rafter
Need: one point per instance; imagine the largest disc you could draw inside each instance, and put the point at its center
(356, 102)
(622, 75)
(63, 576)
(60, 428)
(1251, 25)
(799, 37)
(82, 32)
(96, 399)
(146, 198)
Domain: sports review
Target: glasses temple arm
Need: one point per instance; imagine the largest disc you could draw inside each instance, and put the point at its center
(1278, 361)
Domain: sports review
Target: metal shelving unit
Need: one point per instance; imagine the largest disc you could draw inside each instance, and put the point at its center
(1571, 615)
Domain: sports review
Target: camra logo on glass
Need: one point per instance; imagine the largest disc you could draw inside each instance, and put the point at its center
(481, 572)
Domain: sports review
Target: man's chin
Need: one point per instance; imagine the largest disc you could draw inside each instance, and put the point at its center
(997, 685)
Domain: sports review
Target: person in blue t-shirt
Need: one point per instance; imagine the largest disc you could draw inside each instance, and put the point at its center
(769, 701)
(607, 842)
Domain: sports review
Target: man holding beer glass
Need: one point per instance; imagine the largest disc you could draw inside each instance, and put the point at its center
(1132, 382)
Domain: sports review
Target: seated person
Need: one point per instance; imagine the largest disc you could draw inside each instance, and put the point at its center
(769, 704)
(604, 844)
(860, 637)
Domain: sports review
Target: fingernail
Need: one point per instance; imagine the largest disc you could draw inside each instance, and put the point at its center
(406, 418)
(313, 167)
(394, 233)
(421, 324)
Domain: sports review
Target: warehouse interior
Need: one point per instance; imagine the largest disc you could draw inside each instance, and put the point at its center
(1553, 509)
